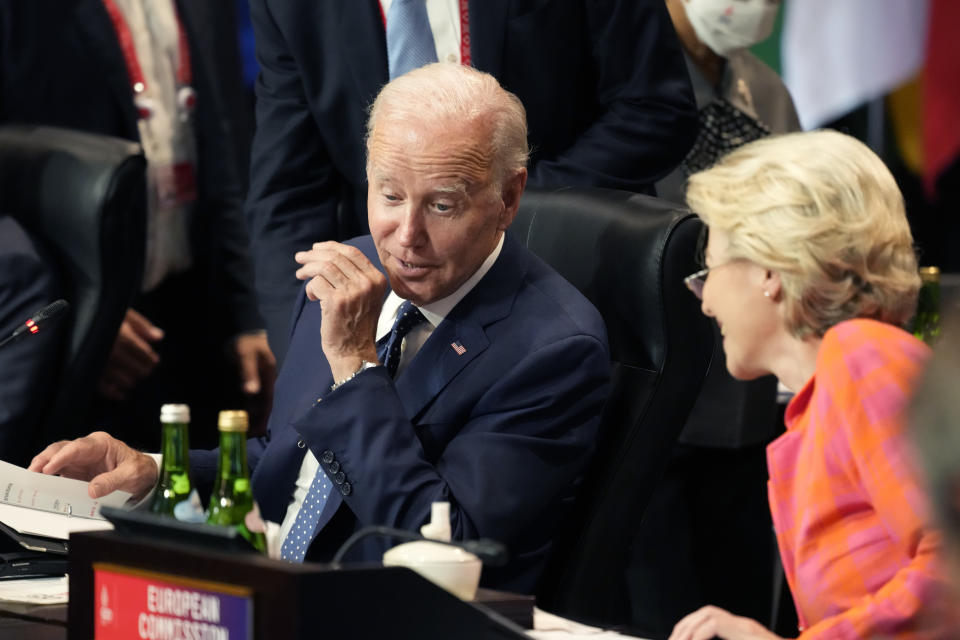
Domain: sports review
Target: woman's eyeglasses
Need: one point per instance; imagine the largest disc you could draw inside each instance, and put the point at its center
(696, 281)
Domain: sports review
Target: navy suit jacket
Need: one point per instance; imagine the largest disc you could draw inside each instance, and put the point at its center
(605, 87)
(502, 431)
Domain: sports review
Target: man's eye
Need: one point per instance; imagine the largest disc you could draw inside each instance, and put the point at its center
(442, 207)
(390, 197)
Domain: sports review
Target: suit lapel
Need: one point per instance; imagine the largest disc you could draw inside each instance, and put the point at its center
(438, 362)
(99, 36)
(364, 46)
(488, 19)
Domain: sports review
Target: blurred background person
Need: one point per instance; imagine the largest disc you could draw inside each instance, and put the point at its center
(710, 509)
(132, 69)
(607, 98)
(935, 432)
(28, 282)
(809, 271)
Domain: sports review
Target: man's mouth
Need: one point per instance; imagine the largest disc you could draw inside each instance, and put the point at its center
(412, 267)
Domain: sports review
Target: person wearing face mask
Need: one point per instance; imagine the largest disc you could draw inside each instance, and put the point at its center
(710, 508)
(739, 98)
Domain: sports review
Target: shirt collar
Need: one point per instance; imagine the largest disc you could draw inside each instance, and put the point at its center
(436, 311)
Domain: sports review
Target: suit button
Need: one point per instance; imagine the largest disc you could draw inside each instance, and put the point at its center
(333, 467)
(346, 489)
(327, 457)
(339, 477)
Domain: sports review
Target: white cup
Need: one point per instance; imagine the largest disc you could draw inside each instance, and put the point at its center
(452, 568)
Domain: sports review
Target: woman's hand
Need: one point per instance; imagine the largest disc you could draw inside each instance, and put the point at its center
(708, 622)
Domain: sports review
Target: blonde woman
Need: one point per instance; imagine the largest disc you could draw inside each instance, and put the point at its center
(810, 272)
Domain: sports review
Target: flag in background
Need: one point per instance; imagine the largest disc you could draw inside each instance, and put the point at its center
(839, 54)
(941, 91)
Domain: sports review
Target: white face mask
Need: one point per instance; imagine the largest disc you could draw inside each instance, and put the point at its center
(728, 25)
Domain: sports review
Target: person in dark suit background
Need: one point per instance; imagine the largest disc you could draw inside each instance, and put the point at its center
(28, 282)
(607, 95)
(491, 402)
(64, 64)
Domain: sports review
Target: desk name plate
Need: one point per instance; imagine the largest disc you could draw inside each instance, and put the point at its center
(131, 603)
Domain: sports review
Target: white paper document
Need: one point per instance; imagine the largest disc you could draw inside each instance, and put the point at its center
(35, 590)
(51, 506)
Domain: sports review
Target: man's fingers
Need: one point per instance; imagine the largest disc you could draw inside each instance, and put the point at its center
(132, 348)
(143, 327)
(135, 472)
(256, 361)
(70, 460)
(104, 484)
(41, 459)
(250, 372)
(335, 272)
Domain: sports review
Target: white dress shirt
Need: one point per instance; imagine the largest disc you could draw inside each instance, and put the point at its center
(166, 135)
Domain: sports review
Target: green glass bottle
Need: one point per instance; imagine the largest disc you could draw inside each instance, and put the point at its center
(174, 495)
(926, 324)
(232, 496)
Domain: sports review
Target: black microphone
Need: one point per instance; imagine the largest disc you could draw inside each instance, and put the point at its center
(53, 310)
(490, 552)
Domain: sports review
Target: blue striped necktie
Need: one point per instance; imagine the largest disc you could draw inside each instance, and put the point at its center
(295, 545)
(409, 38)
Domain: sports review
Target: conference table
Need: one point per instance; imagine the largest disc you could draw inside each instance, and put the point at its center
(49, 622)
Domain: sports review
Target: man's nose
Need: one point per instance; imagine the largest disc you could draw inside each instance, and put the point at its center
(410, 231)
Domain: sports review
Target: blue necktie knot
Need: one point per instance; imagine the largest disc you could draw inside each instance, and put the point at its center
(408, 317)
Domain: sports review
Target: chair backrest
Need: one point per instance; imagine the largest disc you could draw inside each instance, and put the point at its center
(628, 254)
(83, 195)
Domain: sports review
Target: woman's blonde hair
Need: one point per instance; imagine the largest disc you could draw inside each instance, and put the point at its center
(823, 211)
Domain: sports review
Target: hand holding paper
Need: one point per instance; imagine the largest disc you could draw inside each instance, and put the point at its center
(107, 463)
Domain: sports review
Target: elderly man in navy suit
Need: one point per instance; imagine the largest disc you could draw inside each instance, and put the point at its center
(435, 360)
(607, 95)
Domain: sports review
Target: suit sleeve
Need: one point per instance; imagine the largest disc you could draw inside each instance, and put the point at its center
(648, 117)
(221, 197)
(27, 366)
(294, 189)
(514, 455)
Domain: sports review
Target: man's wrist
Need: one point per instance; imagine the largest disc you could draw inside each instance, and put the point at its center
(364, 365)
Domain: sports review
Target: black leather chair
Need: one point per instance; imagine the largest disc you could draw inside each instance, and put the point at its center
(83, 195)
(628, 254)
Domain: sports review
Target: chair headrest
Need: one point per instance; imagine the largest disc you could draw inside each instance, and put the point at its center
(628, 254)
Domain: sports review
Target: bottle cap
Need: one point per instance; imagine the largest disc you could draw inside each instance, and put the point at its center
(929, 274)
(175, 413)
(233, 421)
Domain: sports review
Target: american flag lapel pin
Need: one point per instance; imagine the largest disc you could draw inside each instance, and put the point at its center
(459, 348)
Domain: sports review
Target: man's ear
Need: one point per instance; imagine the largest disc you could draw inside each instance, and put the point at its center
(512, 191)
